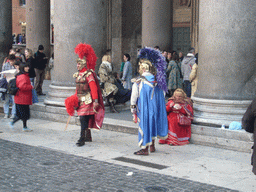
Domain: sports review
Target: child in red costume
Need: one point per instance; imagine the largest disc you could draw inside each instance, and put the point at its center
(88, 98)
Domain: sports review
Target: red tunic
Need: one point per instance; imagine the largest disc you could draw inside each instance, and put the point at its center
(177, 134)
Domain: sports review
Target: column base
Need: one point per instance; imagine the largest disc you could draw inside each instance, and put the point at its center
(214, 112)
(58, 94)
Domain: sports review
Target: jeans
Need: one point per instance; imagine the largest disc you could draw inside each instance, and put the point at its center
(9, 99)
(32, 80)
(187, 88)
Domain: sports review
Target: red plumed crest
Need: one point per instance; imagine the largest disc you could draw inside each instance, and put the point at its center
(71, 103)
(85, 50)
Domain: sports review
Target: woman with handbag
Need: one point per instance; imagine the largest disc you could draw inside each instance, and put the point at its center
(179, 114)
(23, 97)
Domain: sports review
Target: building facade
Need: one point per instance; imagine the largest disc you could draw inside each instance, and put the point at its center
(223, 33)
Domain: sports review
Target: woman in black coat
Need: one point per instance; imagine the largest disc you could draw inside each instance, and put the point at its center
(30, 61)
(249, 124)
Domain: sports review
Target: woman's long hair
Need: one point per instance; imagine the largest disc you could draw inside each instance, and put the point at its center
(30, 53)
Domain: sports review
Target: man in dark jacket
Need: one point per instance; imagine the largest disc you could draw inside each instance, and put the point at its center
(40, 65)
(186, 67)
(249, 125)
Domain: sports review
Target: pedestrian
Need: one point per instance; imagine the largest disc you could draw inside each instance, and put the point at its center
(40, 65)
(123, 95)
(23, 97)
(249, 124)
(87, 100)
(193, 77)
(186, 67)
(178, 107)
(127, 72)
(20, 56)
(11, 52)
(181, 56)
(31, 62)
(173, 72)
(108, 80)
(9, 98)
(147, 99)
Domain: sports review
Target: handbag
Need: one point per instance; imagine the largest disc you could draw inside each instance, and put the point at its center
(183, 120)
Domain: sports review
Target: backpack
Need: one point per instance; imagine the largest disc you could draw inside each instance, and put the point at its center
(12, 88)
(3, 85)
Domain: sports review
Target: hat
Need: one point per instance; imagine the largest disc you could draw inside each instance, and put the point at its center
(40, 47)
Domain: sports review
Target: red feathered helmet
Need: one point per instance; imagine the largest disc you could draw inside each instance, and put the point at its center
(87, 55)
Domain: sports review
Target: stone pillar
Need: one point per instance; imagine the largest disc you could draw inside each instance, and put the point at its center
(75, 22)
(227, 55)
(38, 25)
(157, 23)
(116, 37)
(5, 29)
(194, 24)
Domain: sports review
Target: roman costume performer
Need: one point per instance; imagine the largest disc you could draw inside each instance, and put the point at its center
(148, 101)
(88, 98)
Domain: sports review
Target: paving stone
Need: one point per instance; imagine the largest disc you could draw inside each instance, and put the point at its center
(29, 168)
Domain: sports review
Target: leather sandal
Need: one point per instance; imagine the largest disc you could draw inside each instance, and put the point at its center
(152, 149)
(141, 152)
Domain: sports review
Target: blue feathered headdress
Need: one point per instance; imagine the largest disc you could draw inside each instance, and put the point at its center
(159, 62)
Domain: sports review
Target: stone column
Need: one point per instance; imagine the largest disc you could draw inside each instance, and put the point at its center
(75, 22)
(194, 24)
(157, 23)
(116, 34)
(227, 55)
(5, 29)
(38, 25)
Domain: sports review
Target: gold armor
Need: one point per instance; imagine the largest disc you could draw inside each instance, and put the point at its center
(82, 87)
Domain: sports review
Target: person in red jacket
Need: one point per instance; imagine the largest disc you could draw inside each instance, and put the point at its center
(23, 97)
(88, 99)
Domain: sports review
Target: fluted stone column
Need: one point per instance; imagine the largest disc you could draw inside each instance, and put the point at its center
(38, 25)
(227, 56)
(75, 22)
(157, 23)
(5, 28)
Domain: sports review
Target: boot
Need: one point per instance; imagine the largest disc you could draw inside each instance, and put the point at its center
(112, 108)
(80, 142)
(88, 137)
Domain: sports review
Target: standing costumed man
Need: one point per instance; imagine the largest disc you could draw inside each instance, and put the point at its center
(88, 98)
(148, 101)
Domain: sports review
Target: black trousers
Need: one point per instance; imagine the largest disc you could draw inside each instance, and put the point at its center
(84, 120)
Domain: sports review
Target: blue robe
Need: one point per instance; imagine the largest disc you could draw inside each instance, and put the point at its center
(151, 112)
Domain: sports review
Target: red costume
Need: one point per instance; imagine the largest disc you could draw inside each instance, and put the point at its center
(177, 134)
(88, 99)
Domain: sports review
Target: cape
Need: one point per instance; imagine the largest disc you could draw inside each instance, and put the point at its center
(152, 116)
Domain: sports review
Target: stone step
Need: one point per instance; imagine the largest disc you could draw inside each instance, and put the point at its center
(202, 135)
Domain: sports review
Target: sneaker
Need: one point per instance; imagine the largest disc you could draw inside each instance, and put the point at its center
(11, 124)
(12, 117)
(6, 116)
(25, 129)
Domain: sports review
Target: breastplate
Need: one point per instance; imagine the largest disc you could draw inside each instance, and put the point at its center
(83, 90)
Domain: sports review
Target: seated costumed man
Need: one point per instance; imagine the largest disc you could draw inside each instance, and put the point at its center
(88, 98)
(148, 101)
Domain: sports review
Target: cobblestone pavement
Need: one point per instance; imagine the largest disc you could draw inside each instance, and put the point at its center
(29, 168)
